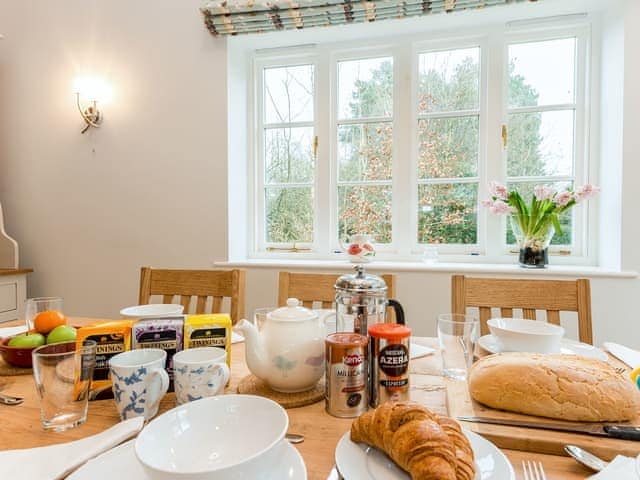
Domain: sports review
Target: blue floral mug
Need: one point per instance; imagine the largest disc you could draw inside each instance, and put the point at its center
(199, 373)
(139, 382)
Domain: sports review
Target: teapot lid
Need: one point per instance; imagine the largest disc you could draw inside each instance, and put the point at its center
(361, 281)
(293, 312)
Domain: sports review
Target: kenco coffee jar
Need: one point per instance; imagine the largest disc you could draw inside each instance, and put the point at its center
(346, 383)
(388, 362)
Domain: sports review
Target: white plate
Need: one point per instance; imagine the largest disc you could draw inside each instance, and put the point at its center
(122, 463)
(492, 345)
(152, 310)
(358, 461)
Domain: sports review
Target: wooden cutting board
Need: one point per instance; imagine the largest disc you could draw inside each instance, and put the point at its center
(459, 403)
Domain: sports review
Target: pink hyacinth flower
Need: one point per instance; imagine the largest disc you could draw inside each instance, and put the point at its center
(586, 192)
(542, 192)
(563, 198)
(500, 208)
(498, 190)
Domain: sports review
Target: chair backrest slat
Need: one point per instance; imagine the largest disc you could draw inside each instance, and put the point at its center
(553, 316)
(201, 304)
(216, 306)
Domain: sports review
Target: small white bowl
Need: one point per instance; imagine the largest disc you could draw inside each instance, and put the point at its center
(153, 310)
(213, 438)
(520, 335)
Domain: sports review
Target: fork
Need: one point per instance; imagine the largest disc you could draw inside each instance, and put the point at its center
(533, 470)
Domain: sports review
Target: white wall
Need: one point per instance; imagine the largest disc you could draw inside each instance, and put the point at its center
(150, 187)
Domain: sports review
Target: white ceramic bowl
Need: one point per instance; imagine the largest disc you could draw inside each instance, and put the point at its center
(221, 437)
(153, 310)
(520, 335)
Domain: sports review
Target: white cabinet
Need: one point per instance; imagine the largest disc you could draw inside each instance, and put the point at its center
(13, 293)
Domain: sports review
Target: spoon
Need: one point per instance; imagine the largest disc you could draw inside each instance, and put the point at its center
(294, 438)
(9, 400)
(587, 459)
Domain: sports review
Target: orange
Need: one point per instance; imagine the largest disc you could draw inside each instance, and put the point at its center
(46, 321)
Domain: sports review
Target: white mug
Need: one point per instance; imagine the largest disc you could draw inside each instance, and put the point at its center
(139, 381)
(199, 372)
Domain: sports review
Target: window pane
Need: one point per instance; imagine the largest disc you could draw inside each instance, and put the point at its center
(540, 143)
(365, 209)
(566, 219)
(288, 155)
(364, 151)
(449, 80)
(447, 213)
(542, 73)
(288, 94)
(448, 147)
(365, 88)
(289, 214)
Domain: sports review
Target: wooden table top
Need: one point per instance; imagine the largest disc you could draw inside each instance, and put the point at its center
(20, 425)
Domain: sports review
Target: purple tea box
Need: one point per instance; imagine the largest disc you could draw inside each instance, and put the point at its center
(163, 333)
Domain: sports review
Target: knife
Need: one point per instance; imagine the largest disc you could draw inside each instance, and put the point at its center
(627, 355)
(623, 432)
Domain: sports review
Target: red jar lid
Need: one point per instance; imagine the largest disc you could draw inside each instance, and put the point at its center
(392, 331)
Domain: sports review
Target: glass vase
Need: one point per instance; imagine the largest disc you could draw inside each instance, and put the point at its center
(533, 246)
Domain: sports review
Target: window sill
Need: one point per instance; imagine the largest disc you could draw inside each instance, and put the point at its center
(437, 267)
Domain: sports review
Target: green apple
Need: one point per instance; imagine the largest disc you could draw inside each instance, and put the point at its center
(62, 333)
(27, 340)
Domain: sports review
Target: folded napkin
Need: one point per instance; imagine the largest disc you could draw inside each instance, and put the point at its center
(11, 331)
(57, 461)
(620, 468)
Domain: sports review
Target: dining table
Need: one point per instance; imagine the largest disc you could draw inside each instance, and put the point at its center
(20, 425)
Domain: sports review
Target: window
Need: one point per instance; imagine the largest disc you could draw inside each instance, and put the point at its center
(401, 140)
(448, 146)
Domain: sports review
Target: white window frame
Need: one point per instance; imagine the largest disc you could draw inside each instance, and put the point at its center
(491, 246)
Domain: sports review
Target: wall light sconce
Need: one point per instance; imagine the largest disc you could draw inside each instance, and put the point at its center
(91, 91)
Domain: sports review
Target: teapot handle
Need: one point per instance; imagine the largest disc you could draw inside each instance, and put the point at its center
(399, 311)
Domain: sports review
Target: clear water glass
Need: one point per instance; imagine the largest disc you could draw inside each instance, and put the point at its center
(63, 373)
(457, 335)
(34, 306)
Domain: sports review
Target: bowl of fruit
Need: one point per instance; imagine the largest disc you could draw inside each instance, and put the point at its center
(50, 326)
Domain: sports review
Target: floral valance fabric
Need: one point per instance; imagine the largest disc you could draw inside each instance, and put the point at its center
(224, 17)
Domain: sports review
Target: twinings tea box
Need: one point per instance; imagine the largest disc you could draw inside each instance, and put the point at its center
(210, 330)
(111, 337)
(163, 333)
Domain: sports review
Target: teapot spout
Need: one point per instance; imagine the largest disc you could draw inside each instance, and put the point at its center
(254, 348)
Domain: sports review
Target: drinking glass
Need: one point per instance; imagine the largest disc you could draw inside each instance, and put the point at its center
(457, 334)
(37, 305)
(63, 372)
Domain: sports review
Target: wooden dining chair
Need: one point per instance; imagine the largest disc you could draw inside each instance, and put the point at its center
(317, 287)
(553, 296)
(202, 284)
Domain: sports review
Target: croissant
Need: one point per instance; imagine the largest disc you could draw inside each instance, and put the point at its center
(426, 445)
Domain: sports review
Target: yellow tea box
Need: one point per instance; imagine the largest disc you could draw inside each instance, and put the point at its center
(209, 330)
(111, 337)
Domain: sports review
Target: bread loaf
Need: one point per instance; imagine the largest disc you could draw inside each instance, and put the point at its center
(560, 386)
(426, 445)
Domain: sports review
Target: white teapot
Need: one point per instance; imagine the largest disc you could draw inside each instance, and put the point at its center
(286, 347)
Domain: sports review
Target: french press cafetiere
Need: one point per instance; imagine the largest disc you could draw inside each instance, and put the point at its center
(361, 299)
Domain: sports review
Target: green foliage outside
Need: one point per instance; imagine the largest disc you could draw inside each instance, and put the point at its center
(448, 148)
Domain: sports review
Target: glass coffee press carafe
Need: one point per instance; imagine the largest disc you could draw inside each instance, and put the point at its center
(361, 300)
